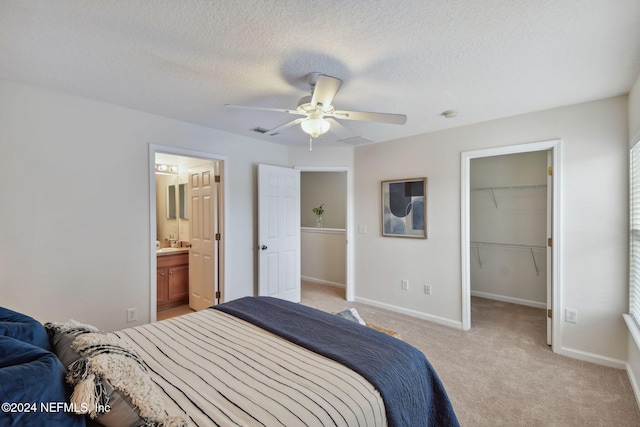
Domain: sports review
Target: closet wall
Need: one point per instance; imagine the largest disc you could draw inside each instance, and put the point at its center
(508, 207)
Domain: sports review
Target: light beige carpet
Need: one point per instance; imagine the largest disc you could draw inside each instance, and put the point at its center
(501, 372)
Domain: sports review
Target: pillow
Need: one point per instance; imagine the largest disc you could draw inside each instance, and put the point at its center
(31, 377)
(109, 378)
(352, 314)
(62, 336)
(24, 328)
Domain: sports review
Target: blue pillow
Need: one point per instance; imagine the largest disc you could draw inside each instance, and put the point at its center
(24, 328)
(31, 377)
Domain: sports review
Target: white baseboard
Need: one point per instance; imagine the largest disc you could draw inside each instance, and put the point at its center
(564, 351)
(412, 313)
(634, 384)
(511, 300)
(323, 282)
(593, 358)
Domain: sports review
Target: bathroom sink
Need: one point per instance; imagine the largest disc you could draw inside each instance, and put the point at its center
(170, 250)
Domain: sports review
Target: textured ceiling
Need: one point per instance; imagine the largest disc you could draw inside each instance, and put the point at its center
(185, 59)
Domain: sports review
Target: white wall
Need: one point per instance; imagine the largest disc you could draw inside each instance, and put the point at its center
(74, 222)
(323, 188)
(593, 219)
(321, 157)
(323, 256)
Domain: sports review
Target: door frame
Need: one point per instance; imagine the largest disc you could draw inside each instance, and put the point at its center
(554, 146)
(224, 169)
(349, 288)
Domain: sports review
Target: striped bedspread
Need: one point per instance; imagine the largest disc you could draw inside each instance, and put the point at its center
(221, 370)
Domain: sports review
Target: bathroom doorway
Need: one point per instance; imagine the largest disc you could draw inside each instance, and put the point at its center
(183, 268)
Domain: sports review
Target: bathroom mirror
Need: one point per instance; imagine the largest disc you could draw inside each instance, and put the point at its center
(182, 201)
(167, 219)
(177, 201)
(171, 202)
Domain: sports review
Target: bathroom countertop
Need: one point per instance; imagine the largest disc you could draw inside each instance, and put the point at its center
(170, 251)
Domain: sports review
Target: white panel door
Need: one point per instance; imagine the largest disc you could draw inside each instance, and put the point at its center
(203, 227)
(279, 232)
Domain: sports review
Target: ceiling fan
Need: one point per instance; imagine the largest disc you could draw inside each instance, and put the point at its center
(317, 108)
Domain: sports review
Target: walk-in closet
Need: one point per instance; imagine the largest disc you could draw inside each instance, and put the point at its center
(508, 228)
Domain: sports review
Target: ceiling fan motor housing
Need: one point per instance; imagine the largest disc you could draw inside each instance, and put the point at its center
(306, 107)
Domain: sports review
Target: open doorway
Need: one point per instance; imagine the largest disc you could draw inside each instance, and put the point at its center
(186, 230)
(326, 255)
(508, 226)
(539, 251)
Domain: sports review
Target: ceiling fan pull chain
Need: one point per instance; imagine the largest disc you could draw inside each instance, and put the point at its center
(310, 143)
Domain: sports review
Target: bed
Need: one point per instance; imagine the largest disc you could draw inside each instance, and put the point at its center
(252, 361)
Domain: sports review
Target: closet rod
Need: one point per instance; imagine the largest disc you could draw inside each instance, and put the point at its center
(528, 248)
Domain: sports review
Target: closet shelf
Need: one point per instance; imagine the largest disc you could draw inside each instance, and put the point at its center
(511, 246)
(510, 187)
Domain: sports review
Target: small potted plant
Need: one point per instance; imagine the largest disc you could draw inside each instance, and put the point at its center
(319, 211)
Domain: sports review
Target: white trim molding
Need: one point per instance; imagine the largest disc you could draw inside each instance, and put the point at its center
(418, 314)
(511, 300)
(323, 282)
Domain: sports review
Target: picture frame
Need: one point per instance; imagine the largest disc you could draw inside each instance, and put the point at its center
(404, 208)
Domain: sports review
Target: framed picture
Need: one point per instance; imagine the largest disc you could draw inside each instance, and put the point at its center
(404, 208)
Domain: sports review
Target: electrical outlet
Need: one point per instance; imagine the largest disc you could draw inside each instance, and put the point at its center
(427, 289)
(132, 315)
(571, 315)
(405, 285)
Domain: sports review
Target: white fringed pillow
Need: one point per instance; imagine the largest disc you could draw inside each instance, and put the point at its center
(110, 381)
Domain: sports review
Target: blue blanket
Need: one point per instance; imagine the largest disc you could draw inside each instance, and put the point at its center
(412, 392)
(33, 391)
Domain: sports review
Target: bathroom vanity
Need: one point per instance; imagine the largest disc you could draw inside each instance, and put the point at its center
(173, 277)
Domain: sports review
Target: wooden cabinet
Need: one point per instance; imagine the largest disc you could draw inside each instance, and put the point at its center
(173, 280)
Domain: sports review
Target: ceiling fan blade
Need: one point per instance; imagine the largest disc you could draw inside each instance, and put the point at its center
(248, 107)
(396, 119)
(325, 90)
(277, 130)
(338, 129)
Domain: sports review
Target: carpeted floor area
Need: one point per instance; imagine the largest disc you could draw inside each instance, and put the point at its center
(502, 373)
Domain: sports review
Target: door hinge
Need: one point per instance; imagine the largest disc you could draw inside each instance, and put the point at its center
(550, 314)
(217, 294)
(550, 171)
(216, 178)
(550, 242)
(218, 237)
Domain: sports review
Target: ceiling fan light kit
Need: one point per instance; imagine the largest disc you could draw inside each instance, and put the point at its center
(315, 126)
(317, 107)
